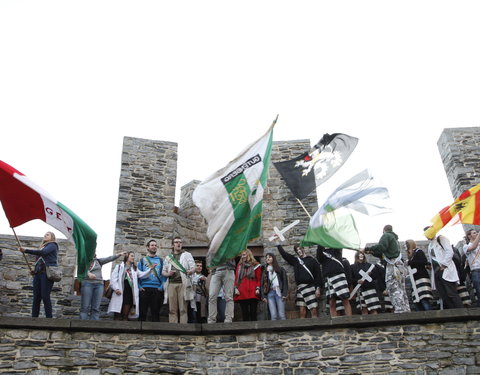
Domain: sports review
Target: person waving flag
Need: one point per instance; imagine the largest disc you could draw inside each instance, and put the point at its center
(230, 200)
(23, 201)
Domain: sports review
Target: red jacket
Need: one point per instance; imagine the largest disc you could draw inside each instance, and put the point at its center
(247, 287)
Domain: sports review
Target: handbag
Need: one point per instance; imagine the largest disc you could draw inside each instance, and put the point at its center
(108, 288)
(77, 287)
(54, 273)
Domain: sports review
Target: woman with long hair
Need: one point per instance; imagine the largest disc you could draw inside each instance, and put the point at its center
(47, 255)
(124, 283)
(247, 285)
(274, 288)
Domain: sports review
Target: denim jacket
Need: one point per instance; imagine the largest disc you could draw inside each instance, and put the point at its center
(48, 253)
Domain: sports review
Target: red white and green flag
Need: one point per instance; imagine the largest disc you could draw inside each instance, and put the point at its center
(23, 201)
(230, 200)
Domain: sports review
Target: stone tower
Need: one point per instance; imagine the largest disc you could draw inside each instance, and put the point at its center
(146, 202)
(460, 152)
(146, 198)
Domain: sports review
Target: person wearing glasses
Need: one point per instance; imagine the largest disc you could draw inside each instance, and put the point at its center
(178, 267)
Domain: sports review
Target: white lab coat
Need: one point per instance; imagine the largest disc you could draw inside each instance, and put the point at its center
(116, 282)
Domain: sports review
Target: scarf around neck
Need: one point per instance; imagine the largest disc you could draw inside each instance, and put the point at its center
(246, 270)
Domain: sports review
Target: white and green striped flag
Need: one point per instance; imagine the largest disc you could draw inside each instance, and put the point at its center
(333, 224)
(231, 201)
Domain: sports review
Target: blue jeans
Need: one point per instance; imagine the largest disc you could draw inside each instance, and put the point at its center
(423, 305)
(42, 287)
(475, 277)
(90, 300)
(276, 305)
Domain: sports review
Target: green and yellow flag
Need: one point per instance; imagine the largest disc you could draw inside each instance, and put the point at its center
(231, 201)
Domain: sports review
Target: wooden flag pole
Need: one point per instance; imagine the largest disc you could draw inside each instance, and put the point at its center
(20, 245)
(301, 204)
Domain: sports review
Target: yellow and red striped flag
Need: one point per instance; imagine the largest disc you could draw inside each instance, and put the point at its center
(466, 206)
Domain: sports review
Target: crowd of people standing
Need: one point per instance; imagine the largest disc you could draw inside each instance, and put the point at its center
(381, 279)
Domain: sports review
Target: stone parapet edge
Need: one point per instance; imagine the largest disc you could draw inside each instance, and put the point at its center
(266, 326)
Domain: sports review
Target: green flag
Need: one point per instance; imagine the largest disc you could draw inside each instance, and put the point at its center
(333, 224)
(336, 230)
(231, 201)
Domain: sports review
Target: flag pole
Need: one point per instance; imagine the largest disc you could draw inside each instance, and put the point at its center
(301, 204)
(273, 124)
(20, 245)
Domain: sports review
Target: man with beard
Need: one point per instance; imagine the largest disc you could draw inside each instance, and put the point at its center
(151, 288)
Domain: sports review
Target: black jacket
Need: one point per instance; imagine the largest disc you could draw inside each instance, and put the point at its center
(302, 276)
(265, 283)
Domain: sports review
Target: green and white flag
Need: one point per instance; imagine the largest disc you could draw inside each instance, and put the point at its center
(231, 201)
(335, 230)
(333, 224)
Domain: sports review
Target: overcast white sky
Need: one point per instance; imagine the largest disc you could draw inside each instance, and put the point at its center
(78, 76)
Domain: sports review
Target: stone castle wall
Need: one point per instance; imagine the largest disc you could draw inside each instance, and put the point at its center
(146, 210)
(281, 208)
(442, 342)
(435, 342)
(460, 152)
(189, 222)
(16, 282)
(146, 197)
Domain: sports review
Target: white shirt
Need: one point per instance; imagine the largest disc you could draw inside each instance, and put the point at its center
(471, 255)
(443, 255)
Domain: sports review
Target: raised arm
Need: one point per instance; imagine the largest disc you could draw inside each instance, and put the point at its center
(289, 258)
